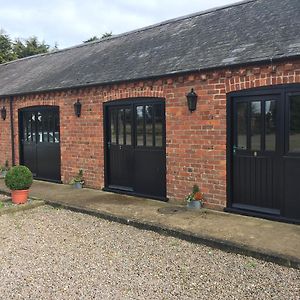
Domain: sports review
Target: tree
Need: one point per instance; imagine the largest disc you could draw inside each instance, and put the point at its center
(106, 34)
(92, 39)
(11, 50)
(95, 38)
(30, 47)
(6, 48)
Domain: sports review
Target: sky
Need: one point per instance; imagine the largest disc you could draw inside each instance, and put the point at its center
(70, 22)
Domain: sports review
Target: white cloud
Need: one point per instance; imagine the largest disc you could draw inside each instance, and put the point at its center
(69, 22)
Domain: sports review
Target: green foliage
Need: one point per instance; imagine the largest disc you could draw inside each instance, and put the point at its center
(5, 167)
(18, 178)
(251, 264)
(20, 48)
(106, 34)
(195, 194)
(195, 188)
(92, 39)
(29, 47)
(6, 48)
(78, 177)
(95, 38)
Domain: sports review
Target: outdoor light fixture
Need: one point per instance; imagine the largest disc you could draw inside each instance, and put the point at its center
(77, 108)
(3, 113)
(192, 100)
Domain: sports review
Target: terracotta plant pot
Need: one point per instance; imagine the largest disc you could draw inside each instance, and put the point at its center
(19, 196)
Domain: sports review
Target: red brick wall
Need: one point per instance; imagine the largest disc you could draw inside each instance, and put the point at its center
(5, 137)
(196, 143)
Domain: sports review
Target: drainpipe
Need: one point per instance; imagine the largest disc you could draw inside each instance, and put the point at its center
(12, 133)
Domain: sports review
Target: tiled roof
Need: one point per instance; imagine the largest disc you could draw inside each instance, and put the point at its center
(248, 31)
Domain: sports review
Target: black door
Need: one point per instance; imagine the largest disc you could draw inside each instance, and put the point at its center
(135, 147)
(256, 153)
(264, 152)
(40, 141)
(120, 147)
(291, 159)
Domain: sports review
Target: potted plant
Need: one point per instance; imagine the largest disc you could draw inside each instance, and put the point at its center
(19, 179)
(4, 169)
(78, 180)
(195, 198)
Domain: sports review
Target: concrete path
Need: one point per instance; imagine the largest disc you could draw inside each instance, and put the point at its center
(268, 240)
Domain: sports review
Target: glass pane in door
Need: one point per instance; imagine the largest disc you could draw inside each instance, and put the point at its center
(242, 125)
(50, 128)
(270, 125)
(140, 125)
(158, 124)
(121, 126)
(113, 126)
(56, 129)
(128, 129)
(294, 134)
(149, 125)
(32, 128)
(45, 127)
(39, 127)
(256, 125)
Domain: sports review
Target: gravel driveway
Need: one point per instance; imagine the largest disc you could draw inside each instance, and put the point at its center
(48, 253)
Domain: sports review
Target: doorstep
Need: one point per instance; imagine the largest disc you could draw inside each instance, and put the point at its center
(264, 239)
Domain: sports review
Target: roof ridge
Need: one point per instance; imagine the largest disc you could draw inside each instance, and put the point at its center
(200, 13)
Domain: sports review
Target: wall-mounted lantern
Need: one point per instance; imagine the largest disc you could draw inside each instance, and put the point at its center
(192, 100)
(3, 113)
(77, 108)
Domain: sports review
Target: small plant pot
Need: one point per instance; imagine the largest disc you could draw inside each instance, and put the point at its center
(78, 185)
(194, 204)
(19, 196)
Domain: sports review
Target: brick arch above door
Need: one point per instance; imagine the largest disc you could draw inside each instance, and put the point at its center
(120, 94)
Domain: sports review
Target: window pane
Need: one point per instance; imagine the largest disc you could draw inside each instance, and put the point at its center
(270, 125)
(294, 138)
(241, 125)
(50, 128)
(139, 125)
(256, 125)
(56, 130)
(45, 128)
(113, 126)
(128, 126)
(40, 127)
(25, 133)
(158, 114)
(121, 126)
(149, 125)
(32, 127)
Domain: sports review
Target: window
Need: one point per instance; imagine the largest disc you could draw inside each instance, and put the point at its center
(149, 125)
(294, 126)
(270, 125)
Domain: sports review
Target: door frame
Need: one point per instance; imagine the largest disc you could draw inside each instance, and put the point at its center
(20, 133)
(282, 90)
(131, 101)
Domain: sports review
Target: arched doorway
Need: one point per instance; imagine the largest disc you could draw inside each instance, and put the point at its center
(39, 133)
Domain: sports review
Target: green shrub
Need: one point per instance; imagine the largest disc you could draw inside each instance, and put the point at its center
(18, 178)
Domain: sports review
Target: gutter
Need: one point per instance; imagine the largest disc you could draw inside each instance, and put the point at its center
(12, 133)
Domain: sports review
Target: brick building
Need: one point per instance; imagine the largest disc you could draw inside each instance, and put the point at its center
(135, 133)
